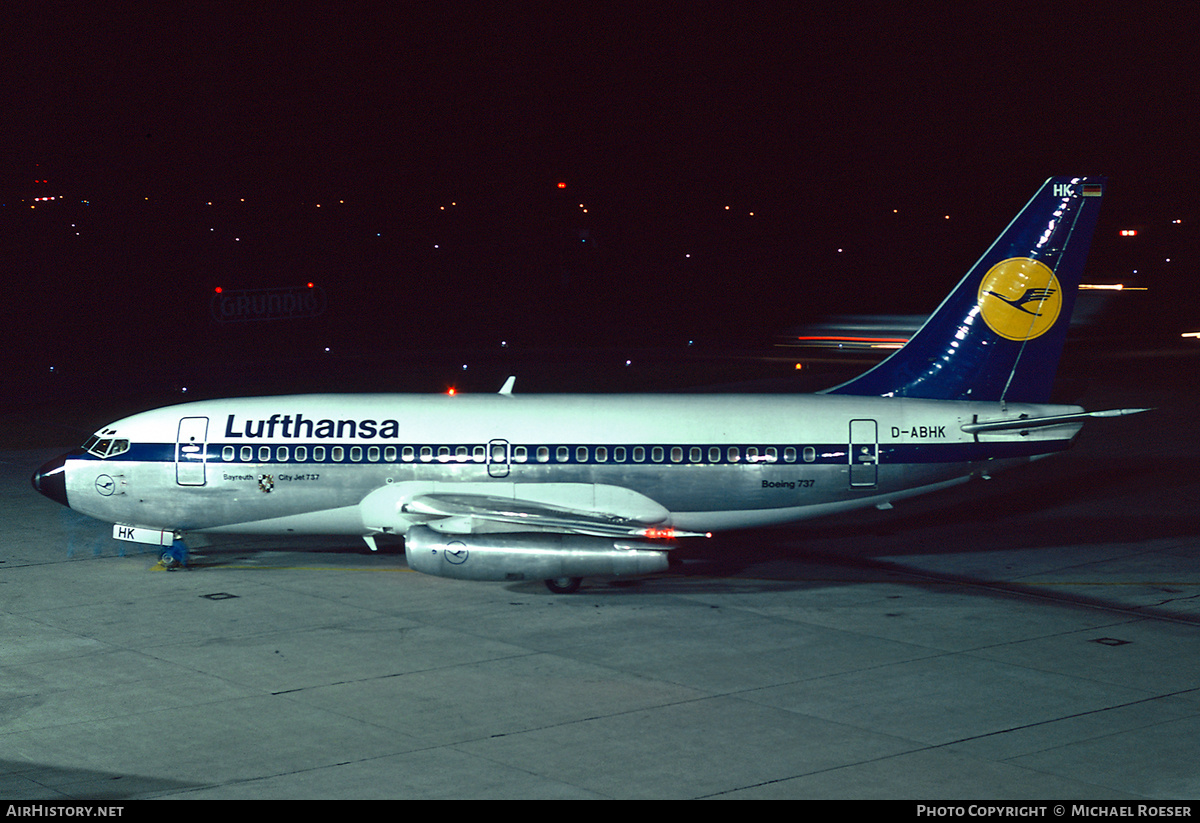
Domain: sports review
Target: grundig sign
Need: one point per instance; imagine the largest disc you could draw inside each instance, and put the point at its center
(267, 304)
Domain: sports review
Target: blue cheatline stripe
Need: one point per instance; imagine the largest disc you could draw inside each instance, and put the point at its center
(821, 454)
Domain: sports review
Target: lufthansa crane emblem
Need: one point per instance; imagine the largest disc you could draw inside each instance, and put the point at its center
(456, 553)
(1020, 298)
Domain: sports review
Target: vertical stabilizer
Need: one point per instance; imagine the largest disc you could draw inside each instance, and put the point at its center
(1000, 333)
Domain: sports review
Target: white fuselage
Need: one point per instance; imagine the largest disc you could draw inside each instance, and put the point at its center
(347, 464)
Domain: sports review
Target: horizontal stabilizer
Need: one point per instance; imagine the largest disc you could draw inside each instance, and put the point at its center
(1025, 422)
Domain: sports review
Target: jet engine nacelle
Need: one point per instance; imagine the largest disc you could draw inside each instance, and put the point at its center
(528, 556)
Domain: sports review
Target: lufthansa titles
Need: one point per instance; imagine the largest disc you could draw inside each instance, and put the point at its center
(299, 426)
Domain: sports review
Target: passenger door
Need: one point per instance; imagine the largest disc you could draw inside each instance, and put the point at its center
(191, 451)
(864, 454)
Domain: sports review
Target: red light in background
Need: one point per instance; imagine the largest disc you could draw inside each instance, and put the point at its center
(562, 185)
(219, 290)
(836, 339)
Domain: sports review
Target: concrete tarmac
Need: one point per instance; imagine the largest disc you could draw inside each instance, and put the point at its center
(1036, 636)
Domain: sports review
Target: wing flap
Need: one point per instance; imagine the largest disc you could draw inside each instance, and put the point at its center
(471, 507)
(467, 512)
(461, 511)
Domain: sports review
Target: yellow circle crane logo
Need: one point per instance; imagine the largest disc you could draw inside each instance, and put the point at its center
(1020, 298)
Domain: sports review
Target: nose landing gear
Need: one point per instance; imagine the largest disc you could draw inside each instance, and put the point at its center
(175, 557)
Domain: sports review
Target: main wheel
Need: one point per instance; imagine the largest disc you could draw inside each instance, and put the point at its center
(564, 585)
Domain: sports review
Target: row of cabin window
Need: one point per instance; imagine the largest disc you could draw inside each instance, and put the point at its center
(520, 454)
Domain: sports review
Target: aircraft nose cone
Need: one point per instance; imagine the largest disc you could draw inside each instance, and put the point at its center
(51, 480)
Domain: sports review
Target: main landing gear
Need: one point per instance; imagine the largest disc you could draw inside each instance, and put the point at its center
(564, 585)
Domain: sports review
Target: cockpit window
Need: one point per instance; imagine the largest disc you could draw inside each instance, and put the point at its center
(103, 447)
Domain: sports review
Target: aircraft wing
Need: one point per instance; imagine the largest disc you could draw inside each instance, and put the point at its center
(463, 513)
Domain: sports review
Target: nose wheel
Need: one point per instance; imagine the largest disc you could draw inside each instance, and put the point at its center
(175, 557)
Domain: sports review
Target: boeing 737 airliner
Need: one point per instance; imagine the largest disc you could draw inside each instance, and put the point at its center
(560, 487)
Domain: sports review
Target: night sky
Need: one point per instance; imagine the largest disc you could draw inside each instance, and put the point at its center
(730, 169)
